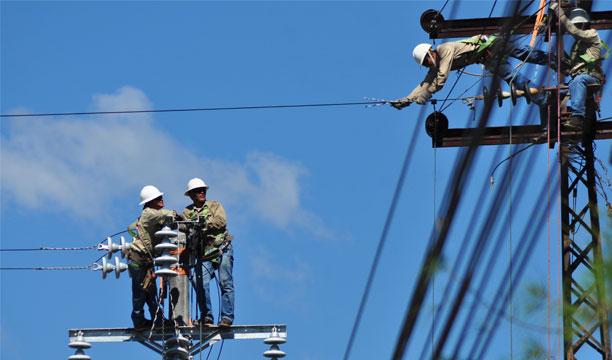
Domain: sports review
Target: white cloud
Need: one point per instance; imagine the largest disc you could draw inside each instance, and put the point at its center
(65, 164)
(280, 284)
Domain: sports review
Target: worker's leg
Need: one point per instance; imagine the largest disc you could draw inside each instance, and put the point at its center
(578, 93)
(204, 273)
(527, 54)
(226, 282)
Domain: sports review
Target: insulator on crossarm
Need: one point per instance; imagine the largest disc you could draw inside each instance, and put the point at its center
(79, 344)
(166, 261)
(274, 352)
(274, 339)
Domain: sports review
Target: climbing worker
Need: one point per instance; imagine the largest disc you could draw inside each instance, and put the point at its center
(215, 253)
(584, 61)
(456, 55)
(141, 254)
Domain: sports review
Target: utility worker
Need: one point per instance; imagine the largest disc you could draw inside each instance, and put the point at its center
(456, 55)
(584, 61)
(140, 257)
(215, 253)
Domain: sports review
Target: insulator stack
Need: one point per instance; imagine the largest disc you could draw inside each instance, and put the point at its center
(177, 347)
(79, 344)
(274, 340)
(166, 261)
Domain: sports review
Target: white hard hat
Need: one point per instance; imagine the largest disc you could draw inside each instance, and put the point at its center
(579, 16)
(195, 183)
(149, 193)
(420, 51)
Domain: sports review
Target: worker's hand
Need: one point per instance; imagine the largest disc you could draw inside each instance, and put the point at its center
(554, 6)
(423, 97)
(399, 104)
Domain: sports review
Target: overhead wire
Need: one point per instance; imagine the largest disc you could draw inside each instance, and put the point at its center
(67, 248)
(228, 108)
(461, 173)
(383, 237)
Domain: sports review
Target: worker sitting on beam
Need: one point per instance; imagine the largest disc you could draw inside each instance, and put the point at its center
(456, 55)
(584, 61)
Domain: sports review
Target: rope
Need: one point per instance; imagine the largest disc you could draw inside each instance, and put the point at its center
(194, 109)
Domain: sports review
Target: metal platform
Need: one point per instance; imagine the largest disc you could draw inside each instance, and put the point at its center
(154, 339)
(514, 135)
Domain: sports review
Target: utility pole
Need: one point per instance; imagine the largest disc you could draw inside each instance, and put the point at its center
(181, 340)
(583, 277)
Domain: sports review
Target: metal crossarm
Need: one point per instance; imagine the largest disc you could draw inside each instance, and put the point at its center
(153, 339)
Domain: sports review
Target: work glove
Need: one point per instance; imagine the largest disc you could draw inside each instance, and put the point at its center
(553, 7)
(422, 98)
(399, 104)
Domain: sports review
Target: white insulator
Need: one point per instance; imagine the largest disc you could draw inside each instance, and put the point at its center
(112, 248)
(274, 338)
(274, 352)
(166, 232)
(125, 247)
(166, 273)
(106, 268)
(119, 267)
(79, 342)
(165, 259)
(166, 246)
(79, 355)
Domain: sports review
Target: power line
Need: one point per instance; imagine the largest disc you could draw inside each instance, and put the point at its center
(197, 109)
(383, 238)
(49, 268)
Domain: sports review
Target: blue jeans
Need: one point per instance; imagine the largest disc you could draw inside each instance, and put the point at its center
(205, 271)
(506, 72)
(578, 93)
(141, 297)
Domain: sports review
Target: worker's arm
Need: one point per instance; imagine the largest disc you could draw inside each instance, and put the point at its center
(420, 94)
(589, 36)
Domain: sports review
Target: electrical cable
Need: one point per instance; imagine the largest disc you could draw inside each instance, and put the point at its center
(197, 109)
(496, 250)
(67, 248)
(49, 268)
(460, 175)
(383, 236)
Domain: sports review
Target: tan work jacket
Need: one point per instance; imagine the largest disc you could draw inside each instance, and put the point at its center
(587, 43)
(149, 222)
(451, 56)
(215, 220)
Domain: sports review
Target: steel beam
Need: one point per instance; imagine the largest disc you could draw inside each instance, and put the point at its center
(600, 20)
(525, 134)
(157, 334)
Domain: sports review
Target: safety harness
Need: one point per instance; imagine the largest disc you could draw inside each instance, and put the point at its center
(589, 65)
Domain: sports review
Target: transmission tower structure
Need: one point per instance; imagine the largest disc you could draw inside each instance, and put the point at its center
(583, 282)
(176, 339)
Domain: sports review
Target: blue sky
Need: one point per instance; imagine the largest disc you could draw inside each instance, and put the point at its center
(306, 190)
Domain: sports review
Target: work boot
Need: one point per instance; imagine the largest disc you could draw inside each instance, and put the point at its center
(225, 322)
(146, 323)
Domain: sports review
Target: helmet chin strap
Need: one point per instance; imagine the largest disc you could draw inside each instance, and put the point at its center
(433, 61)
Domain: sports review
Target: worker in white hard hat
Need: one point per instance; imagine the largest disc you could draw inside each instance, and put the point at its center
(141, 254)
(456, 55)
(584, 61)
(215, 253)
